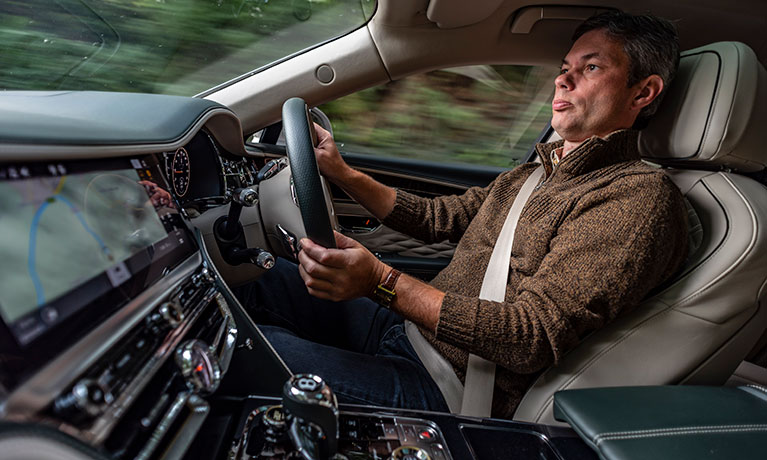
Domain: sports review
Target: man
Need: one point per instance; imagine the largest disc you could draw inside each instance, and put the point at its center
(596, 235)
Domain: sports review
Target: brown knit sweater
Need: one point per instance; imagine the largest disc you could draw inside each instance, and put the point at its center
(601, 230)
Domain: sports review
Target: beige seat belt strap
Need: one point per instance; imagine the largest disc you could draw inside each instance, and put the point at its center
(480, 374)
(440, 370)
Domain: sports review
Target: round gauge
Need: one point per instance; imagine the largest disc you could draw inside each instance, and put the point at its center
(180, 172)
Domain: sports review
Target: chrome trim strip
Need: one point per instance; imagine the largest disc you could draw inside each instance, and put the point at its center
(37, 392)
(183, 399)
(198, 412)
(226, 337)
(103, 425)
(163, 426)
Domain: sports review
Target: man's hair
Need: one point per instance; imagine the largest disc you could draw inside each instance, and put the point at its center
(651, 44)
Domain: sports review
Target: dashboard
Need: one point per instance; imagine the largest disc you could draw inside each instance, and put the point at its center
(119, 335)
(115, 323)
(99, 231)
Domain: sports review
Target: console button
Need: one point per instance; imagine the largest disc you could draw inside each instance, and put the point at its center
(437, 452)
(372, 430)
(350, 423)
(123, 361)
(409, 453)
(390, 432)
(87, 398)
(410, 432)
(427, 434)
(172, 313)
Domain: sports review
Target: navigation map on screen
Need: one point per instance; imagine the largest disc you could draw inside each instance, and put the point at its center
(58, 232)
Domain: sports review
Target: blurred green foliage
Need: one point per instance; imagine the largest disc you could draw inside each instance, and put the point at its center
(159, 46)
(485, 115)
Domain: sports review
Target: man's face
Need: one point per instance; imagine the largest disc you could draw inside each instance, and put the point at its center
(591, 96)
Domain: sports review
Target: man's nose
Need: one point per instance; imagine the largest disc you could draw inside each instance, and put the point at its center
(564, 81)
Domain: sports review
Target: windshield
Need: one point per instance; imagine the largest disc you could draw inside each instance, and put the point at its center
(178, 47)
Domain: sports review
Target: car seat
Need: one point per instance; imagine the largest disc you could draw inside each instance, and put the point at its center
(697, 328)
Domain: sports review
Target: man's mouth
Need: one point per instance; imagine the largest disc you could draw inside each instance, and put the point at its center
(560, 104)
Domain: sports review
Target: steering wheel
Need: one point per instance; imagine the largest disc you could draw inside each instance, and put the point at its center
(311, 194)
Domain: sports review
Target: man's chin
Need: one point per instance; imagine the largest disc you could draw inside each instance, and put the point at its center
(564, 130)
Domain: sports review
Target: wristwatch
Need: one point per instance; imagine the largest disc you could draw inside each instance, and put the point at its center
(384, 293)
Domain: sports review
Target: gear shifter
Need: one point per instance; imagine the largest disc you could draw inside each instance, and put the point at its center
(312, 416)
(231, 237)
(309, 426)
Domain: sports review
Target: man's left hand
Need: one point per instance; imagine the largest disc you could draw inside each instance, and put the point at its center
(345, 273)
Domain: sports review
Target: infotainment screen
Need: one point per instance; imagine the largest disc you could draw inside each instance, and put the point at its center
(71, 233)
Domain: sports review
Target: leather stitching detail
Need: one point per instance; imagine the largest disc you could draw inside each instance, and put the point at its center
(758, 387)
(681, 431)
(384, 239)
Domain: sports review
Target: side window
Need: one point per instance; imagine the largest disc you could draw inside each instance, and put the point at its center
(483, 115)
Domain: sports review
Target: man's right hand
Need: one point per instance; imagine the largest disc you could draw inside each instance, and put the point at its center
(329, 160)
(374, 196)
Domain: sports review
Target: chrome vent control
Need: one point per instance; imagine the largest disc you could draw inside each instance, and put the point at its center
(199, 366)
(87, 399)
(172, 312)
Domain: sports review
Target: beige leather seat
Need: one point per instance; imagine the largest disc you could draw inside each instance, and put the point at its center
(696, 330)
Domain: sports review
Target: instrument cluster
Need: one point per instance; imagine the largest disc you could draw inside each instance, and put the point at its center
(201, 177)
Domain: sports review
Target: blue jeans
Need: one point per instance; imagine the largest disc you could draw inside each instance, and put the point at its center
(357, 346)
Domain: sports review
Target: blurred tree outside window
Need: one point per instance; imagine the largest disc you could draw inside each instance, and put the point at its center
(483, 115)
(181, 47)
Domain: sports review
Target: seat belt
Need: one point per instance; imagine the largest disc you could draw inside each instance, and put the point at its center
(480, 373)
(476, 397)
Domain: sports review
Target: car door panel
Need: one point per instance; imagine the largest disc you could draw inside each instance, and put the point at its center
(423, 178)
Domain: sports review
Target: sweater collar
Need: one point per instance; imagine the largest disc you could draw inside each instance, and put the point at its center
(594, 153)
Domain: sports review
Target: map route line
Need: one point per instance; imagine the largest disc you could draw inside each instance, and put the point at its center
(31, 260)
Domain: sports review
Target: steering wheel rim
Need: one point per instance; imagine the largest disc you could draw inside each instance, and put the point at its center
(305, 172)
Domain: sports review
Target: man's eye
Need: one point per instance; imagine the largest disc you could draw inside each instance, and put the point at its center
(591, 67)
(562, 71)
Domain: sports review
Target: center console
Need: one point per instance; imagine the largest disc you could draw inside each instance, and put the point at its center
(261, 430)
(308, 423)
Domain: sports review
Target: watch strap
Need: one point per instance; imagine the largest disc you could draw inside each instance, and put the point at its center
(384, 293)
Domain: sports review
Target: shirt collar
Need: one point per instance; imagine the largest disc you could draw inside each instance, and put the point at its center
(556, 156)
(594, 153)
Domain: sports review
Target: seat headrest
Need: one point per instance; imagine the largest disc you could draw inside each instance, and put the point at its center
(714, 114)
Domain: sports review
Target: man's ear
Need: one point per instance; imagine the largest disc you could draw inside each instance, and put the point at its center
(648, 90)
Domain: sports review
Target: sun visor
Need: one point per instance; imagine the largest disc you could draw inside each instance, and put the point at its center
(450, 14)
